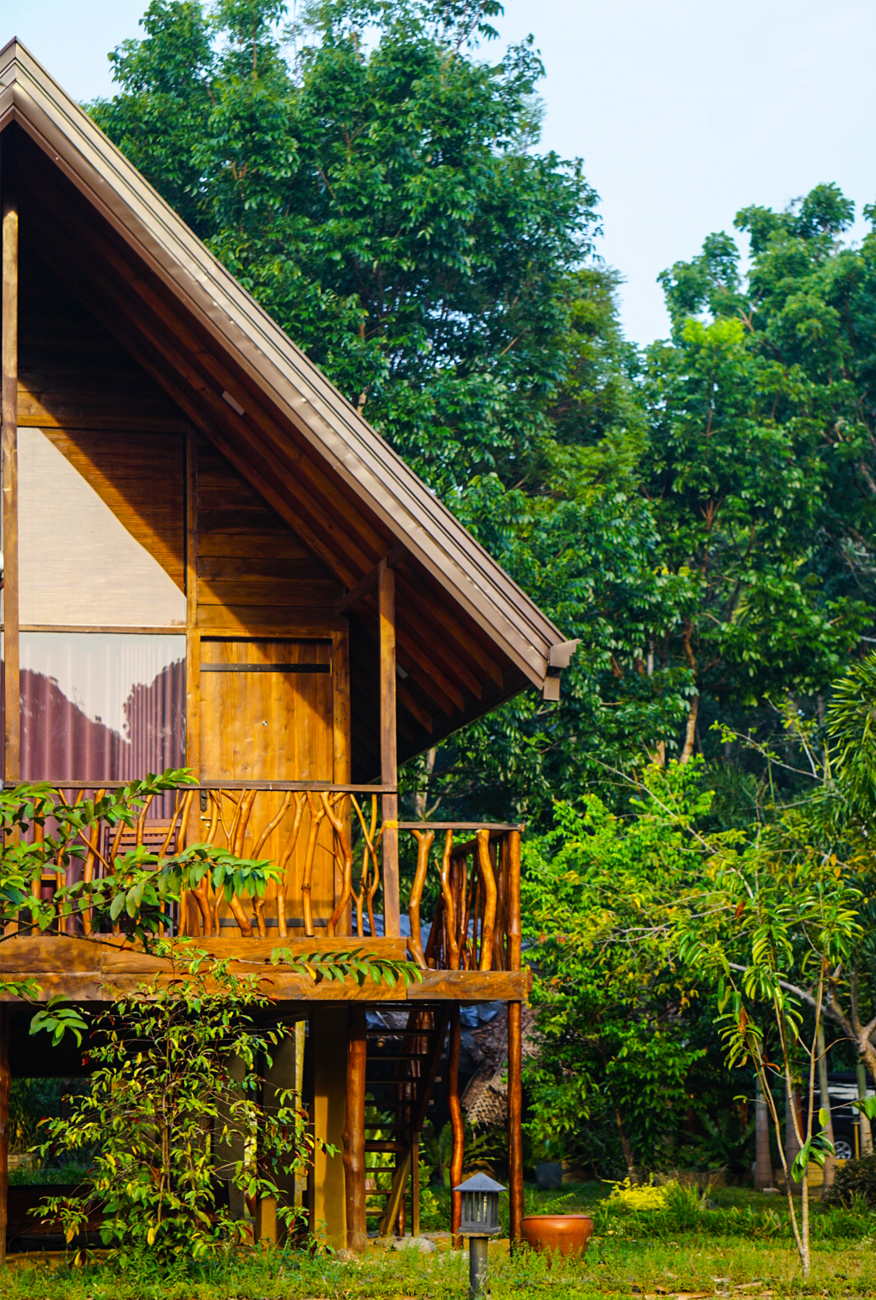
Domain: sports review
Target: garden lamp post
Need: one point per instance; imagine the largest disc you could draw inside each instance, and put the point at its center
(479, 1222)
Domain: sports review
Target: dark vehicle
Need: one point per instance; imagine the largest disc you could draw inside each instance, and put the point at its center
(842, 1088)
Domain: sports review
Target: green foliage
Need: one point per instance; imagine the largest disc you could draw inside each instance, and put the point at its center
(380, 199)
(852, 728)
(855, 1183)
(357, 964)
(41, 831)
(601, 897)
(175, 1104)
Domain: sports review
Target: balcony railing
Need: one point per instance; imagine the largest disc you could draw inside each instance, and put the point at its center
(326, 841)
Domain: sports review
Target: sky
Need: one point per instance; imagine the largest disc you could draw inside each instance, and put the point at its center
(684, 111)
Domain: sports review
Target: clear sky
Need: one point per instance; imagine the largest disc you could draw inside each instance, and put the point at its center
(683, 110)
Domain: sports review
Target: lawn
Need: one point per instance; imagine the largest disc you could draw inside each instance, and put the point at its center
(738, 1246)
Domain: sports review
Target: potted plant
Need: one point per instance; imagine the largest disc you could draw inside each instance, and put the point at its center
(546, 1227)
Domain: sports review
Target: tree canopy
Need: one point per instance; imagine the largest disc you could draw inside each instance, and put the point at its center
(697, 512)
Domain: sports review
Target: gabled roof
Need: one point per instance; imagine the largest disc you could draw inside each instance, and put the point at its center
(469, 635)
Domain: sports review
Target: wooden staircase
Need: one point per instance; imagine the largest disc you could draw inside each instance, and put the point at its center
(401, 1069)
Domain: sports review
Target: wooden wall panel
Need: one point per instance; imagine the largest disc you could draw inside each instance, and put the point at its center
(253, 572)
(72, 373)
(262, 725)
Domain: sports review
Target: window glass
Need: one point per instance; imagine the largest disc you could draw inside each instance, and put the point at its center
(98, 706)
(101, 529)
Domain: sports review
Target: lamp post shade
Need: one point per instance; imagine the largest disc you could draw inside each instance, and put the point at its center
(480, 1206)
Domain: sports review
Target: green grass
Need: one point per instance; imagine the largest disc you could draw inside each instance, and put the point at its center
(632, 1254)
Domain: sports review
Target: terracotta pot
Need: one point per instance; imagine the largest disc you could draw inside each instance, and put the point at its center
(566, 1233)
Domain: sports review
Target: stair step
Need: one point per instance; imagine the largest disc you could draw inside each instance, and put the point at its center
(400, 1056)
(418, 1031)
(385, 1147)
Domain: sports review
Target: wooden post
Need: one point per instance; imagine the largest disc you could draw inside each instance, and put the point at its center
(457, 1156)
(4, 1129)
(388, 746)
(515, 1086)
(9, 456)
(189, 915)
(328, 1052)
(341, 757)
(354, 1131)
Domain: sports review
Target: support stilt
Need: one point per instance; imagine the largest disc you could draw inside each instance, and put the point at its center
(458, 1154)
(515, 1087)
(354, 1132)
(4, 1130)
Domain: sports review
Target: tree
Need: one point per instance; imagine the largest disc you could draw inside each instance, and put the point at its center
(175, 1104)
(763, 461)
(380, 198)
(697, 515)
(615, 1019)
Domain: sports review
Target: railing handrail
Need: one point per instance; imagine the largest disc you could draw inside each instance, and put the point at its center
(281, 787)
(501, 828)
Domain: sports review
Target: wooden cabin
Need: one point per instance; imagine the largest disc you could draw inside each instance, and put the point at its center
(211, 560)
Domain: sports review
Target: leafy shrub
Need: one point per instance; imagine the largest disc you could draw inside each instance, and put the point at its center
(646, 1196)
(174, 1106)
(684, 1204)
(856, 1179)
(759, 1225)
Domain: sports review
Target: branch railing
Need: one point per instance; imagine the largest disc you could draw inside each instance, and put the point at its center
(326, 843)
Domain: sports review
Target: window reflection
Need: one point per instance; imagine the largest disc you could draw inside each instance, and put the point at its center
(98, 706)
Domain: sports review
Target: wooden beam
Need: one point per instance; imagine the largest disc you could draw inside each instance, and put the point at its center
(515, 1049)
(9, 458)
(193, 640)
(354, 1131)
(5, 1081)
(369, 582)
(457, 1156)
(341, 736)
(388, 746)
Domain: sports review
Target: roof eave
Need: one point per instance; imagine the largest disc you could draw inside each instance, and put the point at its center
(257, 344)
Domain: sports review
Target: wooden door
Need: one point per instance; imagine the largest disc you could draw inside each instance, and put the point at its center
(267, 715)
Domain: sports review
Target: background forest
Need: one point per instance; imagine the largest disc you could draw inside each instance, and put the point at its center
(699, 513)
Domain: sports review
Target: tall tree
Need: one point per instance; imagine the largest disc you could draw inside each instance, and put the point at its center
(381, 199)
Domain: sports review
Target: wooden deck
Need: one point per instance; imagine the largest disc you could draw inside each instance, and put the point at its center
(96, 969)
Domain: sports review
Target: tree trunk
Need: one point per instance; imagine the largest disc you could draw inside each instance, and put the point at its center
(690, 730)
(763, 1165)
(792, 1145)
(627, 1149)
(824, 1098)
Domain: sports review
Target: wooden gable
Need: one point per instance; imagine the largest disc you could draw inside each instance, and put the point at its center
(205, 356)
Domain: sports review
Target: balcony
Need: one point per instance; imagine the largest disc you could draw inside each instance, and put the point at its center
(337, 861)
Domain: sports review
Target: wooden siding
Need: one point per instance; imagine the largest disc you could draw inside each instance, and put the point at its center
(72, 373)
(454, 669)
(253, 572)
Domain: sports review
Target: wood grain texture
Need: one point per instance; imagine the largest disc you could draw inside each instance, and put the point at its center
(81, 969)
(388, 745)
(252, 569)
(5, 1084)
(354, 1131)
(73, 374)
(9, 466)
(457, 1155)
(341, 756)
(273, 727)
(515, 1123)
